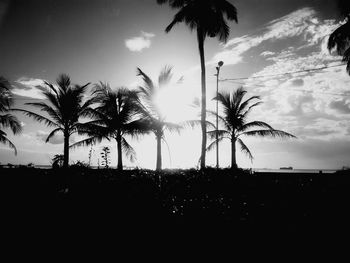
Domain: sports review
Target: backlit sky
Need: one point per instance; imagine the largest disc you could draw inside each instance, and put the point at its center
(106, 40)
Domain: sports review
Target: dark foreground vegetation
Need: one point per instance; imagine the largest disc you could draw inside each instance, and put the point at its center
(209, 200)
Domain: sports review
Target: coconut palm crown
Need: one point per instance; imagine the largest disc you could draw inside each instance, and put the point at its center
(64, 110)
(236, 126)
(7, 120)
(115, 117)
(340, 38)
(208, 18)
(149, 111)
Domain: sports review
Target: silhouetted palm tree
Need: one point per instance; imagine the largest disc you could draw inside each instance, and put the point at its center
(150, 113)
(116, 117)
(65, 108)
(340, 38)
(207, 17)
(235, 123)
(7, 120)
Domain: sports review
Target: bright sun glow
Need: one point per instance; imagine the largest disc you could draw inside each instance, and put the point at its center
(174, 103)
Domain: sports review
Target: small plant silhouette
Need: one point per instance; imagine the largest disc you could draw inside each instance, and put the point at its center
(105, 157)
(90, 154)
(57, 161)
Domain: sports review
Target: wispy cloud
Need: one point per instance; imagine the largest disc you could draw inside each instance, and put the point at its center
(137, 44)
(29, 87)
(303, 22)
(267, 53)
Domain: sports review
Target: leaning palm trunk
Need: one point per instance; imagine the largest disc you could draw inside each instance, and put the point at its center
(159, 153)
(200, 37)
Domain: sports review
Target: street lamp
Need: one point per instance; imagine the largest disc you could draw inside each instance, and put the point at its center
(220, 64)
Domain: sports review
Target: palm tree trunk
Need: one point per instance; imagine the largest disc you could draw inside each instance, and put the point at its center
(159, 153)
(233, 154)
(200, 38)
(66, 150)
(119, 152)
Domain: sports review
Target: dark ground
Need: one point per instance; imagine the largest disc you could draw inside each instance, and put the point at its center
(57, 202)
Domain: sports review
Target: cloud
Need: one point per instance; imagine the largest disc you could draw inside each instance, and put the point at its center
(137, 44)
(267, 53)
(29, 87)
(301, 23)
(297, 82)
(307, 104)
(341, 106)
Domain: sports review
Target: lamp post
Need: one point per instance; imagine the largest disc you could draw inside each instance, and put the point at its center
(220, 63)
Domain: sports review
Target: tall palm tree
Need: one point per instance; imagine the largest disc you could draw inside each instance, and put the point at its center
(207, 17)
(235, 123)
(340, 38)
(65, 109)
(149, 111)
(115, 117)
(7, 120)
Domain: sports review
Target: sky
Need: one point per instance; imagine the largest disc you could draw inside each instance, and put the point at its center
(107, 40)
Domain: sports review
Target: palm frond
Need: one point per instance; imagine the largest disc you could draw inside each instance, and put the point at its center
(220, 118)
(196, 123)
(38, 118)
(10, 121)
(51, 87)
(128, 150)
(339, 39)
(251, 107)
(178, 18)
(53, 134)
(5, 140)
(172, 126)
(87, 142)
(212, 134)
(242, 108)
(212, 145)
(63, 81)
(254, 124)
(137, 127)
(245, 149)
(269, 133)
(149, 86)
(165, 76)
(44, 107)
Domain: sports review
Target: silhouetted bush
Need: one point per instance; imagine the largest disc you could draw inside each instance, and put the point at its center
(212, 198)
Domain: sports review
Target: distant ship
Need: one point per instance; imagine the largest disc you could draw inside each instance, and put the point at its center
(286, 168)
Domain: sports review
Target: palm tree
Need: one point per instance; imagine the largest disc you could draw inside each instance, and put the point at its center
(207, 18)
(7, 120)
(235, 123)
(150, 113)
(340, 38)
(65, 109)
(115, 117)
